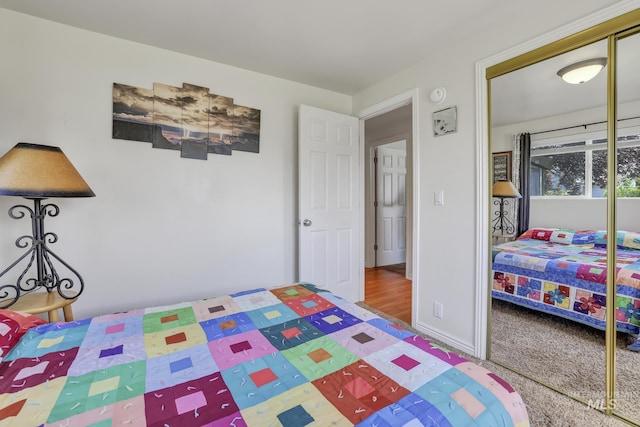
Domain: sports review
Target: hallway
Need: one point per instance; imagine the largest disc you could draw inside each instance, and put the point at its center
(389, 292)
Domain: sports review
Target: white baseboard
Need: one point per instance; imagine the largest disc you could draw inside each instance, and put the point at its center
(455, 344)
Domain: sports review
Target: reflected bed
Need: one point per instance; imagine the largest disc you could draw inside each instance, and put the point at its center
(564, 272)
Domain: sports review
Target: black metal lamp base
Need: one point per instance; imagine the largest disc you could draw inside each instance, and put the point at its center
(501, 223)
(39, 257)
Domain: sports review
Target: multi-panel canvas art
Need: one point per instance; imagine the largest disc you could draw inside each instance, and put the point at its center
(187, 118)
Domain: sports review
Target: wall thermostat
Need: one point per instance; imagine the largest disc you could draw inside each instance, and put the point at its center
(438, 95)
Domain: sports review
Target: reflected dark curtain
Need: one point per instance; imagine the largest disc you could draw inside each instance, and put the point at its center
(525, 169)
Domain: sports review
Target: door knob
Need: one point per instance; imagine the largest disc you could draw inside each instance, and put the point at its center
(307, 223)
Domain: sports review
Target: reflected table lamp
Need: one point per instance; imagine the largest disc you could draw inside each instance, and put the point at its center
(37, 172)
(502, 190)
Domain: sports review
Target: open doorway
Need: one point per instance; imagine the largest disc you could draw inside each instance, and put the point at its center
(388, 212)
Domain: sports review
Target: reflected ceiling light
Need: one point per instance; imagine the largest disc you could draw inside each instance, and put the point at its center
(582, 71)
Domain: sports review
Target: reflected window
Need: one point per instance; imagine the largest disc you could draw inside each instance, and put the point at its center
(577, 166)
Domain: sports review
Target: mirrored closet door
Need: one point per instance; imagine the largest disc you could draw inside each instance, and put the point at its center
(549, 285)
(627, 352)
(565, 170)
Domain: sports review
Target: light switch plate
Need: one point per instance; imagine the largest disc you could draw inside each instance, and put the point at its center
(438, 198)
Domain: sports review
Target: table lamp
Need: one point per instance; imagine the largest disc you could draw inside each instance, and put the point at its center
(37, 172)
(504, 189)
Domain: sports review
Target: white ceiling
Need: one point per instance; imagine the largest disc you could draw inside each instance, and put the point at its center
(537, 91)
(339, 45)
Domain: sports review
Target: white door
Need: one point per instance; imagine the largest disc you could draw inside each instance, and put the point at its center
(391, 201)
(329, 202)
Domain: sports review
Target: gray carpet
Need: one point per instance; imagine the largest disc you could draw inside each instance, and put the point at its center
(545, 406)
(564, 354)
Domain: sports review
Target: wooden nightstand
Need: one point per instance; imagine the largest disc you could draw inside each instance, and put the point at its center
(503, 238)
(45, 302)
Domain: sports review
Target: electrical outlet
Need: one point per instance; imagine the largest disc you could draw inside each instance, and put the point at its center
(438, 309)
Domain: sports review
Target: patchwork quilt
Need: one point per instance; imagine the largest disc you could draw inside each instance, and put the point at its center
(289, 356)
(564, 272)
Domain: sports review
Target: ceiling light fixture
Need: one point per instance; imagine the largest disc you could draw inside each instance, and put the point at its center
(582, 71)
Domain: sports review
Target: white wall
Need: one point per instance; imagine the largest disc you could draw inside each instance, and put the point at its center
(572, 213)
(447, 254)
(161, 228)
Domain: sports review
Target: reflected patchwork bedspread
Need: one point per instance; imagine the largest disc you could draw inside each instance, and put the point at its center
(290, 356)
(564, 272)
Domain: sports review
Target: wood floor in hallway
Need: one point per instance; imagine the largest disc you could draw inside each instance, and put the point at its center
(388, 292)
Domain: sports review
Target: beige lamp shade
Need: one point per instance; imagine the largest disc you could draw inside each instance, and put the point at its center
(40, 171)
(505, 189)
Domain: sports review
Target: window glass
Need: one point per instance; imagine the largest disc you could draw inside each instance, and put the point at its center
(580, 168)
(558, 174)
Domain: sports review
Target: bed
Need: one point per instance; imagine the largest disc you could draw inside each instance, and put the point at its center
(564, 273)
(288, 356)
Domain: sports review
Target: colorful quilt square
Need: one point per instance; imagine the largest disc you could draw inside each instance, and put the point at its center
(428, 365)
(444, 393)
(308, 305)
(529, 288)
(390, 328)
(363, 339)
(492, 382)
(179, 367)
(212, 308)
(272, 315)
(304, 357)
(240, 346)
(629, 277)
(172, 340)
(261, 379)
(628, 310)
(28, 372)
(295, 417)
(126, 412)
(588, 304)
(164, 320)
(291, 334)
(291, 292)
(411, 411)
(40, 341)
(226, 326)
(305, 396)
(15, 411)
(99, 388)
(255, 300)
(359, 386)
(332, 320)
(504, 282)
(557, 295)
(441, 353)
(118, 317)
(108, 353)
(203, 400)
(251, 345)
(112, 331)
(319, 355)
(592, 273)
(405, 362)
